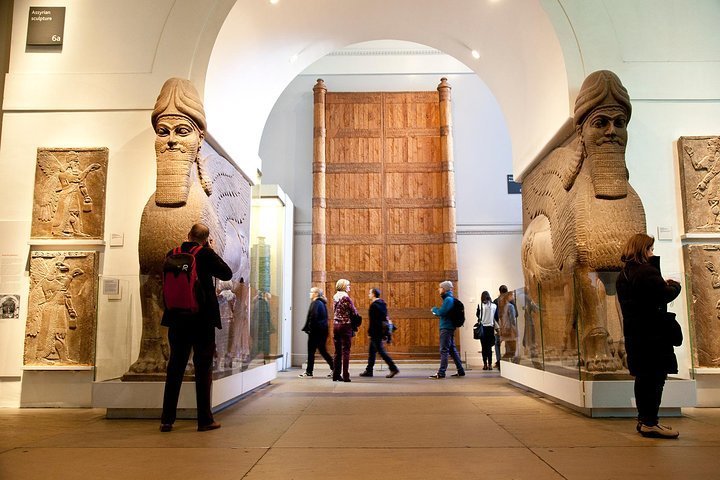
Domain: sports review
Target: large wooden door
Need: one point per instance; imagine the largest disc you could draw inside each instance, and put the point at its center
(383, 206)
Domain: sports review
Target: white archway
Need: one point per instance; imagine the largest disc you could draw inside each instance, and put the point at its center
(250, 65)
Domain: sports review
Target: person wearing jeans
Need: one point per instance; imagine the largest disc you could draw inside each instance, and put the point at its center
(447, 332)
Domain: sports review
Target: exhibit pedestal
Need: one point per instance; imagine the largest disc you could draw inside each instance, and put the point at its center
(59, 387)
(614, 398)
(708, 387)
(144, 399)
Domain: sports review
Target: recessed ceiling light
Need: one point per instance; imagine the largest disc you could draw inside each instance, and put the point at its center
(274, 2)
(475, 54)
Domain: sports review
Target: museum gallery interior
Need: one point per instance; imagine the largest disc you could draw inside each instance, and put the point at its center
(396, 144)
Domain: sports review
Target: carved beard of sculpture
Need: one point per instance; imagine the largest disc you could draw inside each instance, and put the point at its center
(604, 137)
(177, 144)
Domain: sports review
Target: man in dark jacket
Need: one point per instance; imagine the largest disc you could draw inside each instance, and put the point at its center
(197, 332)
(376, 332)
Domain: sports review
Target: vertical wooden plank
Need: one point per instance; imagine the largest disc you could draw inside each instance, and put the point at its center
(319, 192)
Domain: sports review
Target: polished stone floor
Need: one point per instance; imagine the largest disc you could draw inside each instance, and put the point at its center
(408, 427)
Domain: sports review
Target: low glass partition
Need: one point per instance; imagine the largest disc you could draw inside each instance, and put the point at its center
(570, 326)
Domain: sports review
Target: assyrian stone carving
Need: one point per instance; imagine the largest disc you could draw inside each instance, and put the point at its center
(191, 187)
(69, 199)
(702, 263)
(578, 212)
(699, 166)
(60, 327)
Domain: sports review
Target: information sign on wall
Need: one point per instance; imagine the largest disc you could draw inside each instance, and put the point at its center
(512, 186)
(46, 26)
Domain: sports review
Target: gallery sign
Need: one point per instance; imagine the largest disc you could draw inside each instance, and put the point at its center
(46, 26)
(513, 186)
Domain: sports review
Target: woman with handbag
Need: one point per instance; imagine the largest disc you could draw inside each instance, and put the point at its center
(344, 313)
(486, 322)
(643, 295)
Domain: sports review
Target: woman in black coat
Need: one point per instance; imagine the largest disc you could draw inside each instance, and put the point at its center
(316, 326)
(643, 296)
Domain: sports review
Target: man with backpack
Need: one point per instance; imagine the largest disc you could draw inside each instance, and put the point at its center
(192, 315)
(452, 315)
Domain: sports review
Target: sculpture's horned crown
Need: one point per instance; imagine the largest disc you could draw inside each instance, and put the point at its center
(179, 97)
(601, 88)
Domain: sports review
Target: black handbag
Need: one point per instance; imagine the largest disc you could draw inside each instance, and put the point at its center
(355, 321)
(477, 331)
(673, 331)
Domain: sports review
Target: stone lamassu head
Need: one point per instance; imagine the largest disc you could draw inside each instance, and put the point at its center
(602, 112)
(179, 122)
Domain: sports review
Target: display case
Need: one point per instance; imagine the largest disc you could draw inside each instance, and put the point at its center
(270, 278)
(571, 348)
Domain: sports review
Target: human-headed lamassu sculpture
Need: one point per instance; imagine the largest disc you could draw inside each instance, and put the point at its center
(578, 211)
(190, 188)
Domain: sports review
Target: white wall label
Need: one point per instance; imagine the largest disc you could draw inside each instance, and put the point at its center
(665, 233)
(117, 239)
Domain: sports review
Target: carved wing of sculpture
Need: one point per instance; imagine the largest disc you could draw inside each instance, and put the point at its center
(50, 166)
(545, 192)
(41, 269)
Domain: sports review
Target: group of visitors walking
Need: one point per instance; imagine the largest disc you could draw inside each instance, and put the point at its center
(346, 319)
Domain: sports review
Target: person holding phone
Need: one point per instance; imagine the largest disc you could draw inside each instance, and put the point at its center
(195, 332)
(643, 295)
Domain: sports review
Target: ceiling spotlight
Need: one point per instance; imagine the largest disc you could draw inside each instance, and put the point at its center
(475, 54)
(294, 58)
(274, 2)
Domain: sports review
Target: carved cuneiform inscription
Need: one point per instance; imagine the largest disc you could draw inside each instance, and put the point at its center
(699, 166)
(704, 283)
(69, 199)
(60, 328)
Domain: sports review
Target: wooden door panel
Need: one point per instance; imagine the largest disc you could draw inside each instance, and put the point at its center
(410, 221)
(355, 150)
(354, 185)
(354, 221)
(354, 258)
(387, 210)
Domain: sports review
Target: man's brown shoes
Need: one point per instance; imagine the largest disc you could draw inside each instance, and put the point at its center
(212, 426)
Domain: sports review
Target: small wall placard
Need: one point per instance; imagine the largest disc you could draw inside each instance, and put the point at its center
(46, 26)
(513, 186)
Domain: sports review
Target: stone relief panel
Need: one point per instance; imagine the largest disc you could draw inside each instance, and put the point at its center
(699, 166)
(60, 328)
(703, 267)
(69, 199)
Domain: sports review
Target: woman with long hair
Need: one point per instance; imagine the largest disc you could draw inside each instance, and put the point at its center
(643, 295)
(486, 317)
(344, 309)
